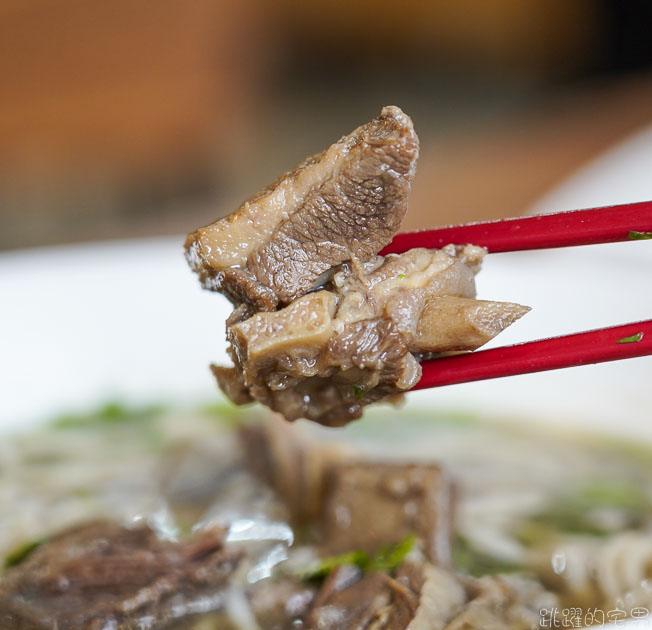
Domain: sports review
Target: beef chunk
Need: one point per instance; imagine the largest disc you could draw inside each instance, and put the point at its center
(331, 352)
(425, 597)
(370, 505)
(102, 575)
(323, 325)
(345, 203)
(291, 463)
(350, 600)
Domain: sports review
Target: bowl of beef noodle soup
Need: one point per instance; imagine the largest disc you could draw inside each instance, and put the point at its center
(133, 495)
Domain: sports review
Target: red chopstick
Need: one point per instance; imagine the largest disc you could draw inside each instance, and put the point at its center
(609, 224)
(563, 229)
(595, 346)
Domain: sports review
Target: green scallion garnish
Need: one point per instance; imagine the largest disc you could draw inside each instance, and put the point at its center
(632, 338)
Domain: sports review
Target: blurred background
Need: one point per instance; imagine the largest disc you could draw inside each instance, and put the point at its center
(137, 118)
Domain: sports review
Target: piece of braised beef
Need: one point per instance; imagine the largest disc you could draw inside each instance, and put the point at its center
(349, 599)
(323, 325)
(103, 575)
(372, 505)
(331, 352)
(421, 596)
(292, 463)
(344, 203)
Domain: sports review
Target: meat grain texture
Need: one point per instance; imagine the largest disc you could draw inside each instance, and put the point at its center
(323, 325)
(102, 575)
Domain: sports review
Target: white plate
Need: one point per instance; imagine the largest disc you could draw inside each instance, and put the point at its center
(127, 320)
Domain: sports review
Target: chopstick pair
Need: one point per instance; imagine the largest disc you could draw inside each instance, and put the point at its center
(565, 229)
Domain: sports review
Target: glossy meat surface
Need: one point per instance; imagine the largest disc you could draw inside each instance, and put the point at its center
(404, 499)
(349, 600)
(102, 575)
(344, 203)
(322, 325)
(358, 340)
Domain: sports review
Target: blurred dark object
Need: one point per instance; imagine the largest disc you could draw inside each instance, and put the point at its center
(628, 44)
(498, 169)
(533, 39)
(130, 119)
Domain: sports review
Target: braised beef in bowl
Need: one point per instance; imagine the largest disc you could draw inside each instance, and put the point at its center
(214, 519)
(412, 518)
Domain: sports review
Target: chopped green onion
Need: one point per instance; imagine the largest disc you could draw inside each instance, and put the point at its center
(327, 565)
(401, 276)
(110, 414)
(359, 391)
(391, 557)
(575, 512)
(385, 559)
(226, 413)
(632, 339)
(20, 553)
(639, 236)
(477, 563)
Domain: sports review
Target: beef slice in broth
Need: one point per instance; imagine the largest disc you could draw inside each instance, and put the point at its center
(422, 596)
(103, 575)
(322, 325)
(348, 599)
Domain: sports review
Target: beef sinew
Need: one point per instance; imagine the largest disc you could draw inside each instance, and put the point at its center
(358, 340)
(323, 325)
(377, 600)
(421, 596)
